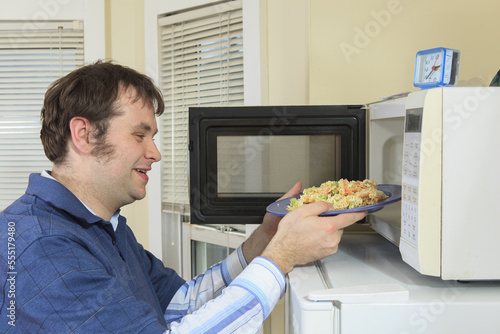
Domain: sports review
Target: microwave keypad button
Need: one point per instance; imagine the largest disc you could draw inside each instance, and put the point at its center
(411, 162)
(411, 159)
(409, 213)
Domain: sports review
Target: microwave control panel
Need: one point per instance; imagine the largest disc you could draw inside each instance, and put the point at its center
(411, 167)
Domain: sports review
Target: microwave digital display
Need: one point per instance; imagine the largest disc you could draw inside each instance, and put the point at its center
(414, 120)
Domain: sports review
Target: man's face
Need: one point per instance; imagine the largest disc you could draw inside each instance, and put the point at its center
(120, 177)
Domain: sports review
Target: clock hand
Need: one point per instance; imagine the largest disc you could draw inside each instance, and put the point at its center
(434, 67)
(437, 57)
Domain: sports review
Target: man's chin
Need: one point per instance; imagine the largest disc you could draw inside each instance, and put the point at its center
(139, 196)
(135, 197)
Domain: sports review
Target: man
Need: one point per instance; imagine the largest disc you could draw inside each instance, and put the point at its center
(73, 265)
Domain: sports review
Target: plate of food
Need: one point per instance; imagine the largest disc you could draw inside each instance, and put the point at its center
(345, 196)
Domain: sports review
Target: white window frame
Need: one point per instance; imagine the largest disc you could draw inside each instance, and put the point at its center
(33, 15)
(224, 236)
(252, 85)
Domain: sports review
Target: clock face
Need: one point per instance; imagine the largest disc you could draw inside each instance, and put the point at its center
(436, 67)
(432, 67)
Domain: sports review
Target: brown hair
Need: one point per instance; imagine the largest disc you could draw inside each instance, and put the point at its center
(90, 92)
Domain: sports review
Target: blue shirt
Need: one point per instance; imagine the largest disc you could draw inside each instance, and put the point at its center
(67, 270)
(70, 272)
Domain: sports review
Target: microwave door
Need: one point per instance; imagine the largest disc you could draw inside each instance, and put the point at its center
(244, 158)
(385, 133)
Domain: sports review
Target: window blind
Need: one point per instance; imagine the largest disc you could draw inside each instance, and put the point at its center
(30, 60)
(201, 64)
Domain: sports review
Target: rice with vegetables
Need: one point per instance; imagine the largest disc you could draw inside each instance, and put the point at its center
(342, 194)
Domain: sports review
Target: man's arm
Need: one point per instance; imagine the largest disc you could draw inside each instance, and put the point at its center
(205, 287)
(272, 250)
(244, 304)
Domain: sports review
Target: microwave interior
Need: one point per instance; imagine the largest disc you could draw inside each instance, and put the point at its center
(244, 158)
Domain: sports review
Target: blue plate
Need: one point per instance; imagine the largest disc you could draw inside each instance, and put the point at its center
(393, 191)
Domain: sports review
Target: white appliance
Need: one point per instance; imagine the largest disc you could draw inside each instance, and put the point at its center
(450, 214)
(365, 288)
(439, 144)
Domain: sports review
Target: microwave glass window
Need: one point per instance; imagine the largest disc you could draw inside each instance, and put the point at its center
(256, 164)
(414, 120)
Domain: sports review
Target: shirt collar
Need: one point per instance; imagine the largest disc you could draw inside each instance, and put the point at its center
(114, 218)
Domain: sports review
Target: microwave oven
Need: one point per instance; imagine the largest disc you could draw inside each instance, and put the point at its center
(450, 224)
(442, 140)
(439, 144)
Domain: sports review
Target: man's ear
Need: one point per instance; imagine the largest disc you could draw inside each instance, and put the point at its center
(81, 131)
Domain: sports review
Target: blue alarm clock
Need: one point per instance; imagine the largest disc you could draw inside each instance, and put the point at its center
(436, 67)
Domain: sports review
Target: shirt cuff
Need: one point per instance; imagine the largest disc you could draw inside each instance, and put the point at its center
(265, 281)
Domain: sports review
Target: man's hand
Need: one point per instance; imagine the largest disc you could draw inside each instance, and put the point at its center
(258, 241)
(303, 236)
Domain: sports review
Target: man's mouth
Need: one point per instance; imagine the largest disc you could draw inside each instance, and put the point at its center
(143, 173)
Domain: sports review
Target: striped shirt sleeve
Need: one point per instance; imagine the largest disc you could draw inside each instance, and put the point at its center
(230, 297)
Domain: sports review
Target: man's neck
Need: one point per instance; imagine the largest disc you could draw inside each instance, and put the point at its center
(82, 191)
